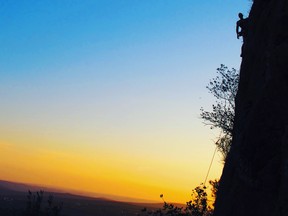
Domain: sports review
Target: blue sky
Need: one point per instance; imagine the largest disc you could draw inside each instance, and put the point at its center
(56, 33)
(114, 75)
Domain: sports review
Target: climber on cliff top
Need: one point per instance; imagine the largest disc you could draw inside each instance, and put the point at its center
(243, 24)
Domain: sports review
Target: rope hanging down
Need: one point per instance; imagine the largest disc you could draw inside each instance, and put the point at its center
(210, 166)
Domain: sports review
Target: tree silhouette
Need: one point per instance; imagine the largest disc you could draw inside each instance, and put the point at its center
(224, 88)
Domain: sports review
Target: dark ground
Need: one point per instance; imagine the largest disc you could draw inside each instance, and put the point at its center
(13, 203)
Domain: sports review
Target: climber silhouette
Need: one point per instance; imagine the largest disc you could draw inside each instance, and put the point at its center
(243, 24)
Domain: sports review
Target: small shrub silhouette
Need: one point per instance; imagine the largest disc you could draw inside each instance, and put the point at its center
(34, 205)
(197, 206)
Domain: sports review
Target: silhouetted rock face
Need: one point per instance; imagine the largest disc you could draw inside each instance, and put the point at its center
(255, 176)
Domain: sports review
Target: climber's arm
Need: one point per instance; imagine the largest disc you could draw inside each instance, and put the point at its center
(237, 30)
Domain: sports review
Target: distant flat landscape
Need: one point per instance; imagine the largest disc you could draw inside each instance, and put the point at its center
(13, 199)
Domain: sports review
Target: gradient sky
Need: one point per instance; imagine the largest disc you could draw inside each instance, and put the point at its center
(104, 96)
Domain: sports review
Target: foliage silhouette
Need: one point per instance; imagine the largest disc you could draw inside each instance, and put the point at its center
(214, 189)
(199, 205)
(224, 88)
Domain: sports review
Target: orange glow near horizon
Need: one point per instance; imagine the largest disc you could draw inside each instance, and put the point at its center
(96, 173)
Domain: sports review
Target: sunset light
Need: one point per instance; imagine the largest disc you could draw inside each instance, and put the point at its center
(102, 98)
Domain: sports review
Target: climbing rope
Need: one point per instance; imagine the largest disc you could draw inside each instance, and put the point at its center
(210, 166)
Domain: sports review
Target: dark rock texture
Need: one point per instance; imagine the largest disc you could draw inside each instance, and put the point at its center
(255, 176)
